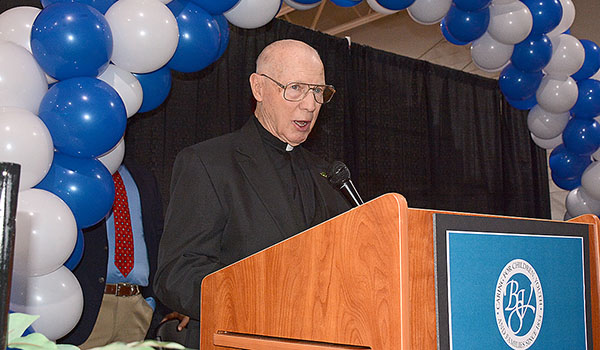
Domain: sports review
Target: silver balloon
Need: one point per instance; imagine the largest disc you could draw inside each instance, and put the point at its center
(56, 297)
(428, 11)
(557, 95)
(590, 180)
(579, 202)
(546, 125)
(547, 143)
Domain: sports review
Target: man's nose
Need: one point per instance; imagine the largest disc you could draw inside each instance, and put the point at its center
(309, 101)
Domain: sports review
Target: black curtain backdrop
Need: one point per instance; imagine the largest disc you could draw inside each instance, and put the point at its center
(444, 139)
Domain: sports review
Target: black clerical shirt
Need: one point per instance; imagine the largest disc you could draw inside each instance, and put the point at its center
(295, 176)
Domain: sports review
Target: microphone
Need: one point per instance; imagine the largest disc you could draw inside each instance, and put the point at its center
(339, 176)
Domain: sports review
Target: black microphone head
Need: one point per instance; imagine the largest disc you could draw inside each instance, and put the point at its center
(338, 173)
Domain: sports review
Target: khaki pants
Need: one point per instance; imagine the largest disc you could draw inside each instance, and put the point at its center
(123, 319)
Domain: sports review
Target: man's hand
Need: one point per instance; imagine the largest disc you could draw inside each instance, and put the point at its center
(183, 319)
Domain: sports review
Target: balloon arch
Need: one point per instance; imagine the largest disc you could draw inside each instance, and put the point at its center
(72, 73)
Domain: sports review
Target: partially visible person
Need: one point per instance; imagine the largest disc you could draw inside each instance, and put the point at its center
(239, 193)
(118, 265)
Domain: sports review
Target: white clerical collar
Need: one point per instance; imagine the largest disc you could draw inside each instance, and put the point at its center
(289, 147)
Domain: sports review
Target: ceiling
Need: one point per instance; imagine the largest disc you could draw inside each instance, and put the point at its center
(399, 34)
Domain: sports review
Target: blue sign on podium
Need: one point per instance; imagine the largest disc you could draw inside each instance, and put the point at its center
(508, 283)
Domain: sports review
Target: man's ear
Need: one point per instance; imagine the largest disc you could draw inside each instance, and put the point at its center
(256, 84)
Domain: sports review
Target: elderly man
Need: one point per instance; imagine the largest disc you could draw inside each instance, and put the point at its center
(239, 193)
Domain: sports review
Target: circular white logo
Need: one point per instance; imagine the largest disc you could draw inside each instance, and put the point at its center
(519, 304)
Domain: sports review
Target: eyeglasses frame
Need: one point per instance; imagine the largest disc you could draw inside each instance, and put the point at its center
(310, 87)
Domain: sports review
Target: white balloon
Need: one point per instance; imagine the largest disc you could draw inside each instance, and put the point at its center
(429, 11)
(126, 85)
(112, 159)
(489, 54)
(299, 6)
(567, 216)
(46, 233)
(546, 125)
(56, 297)
(596, 75)
(24, 139)
(547, 143)
(510, 23)
(15, 25)
(22, 81)
(378, 8)
(251, 14)
(567, 56)
(590, 180)
(596, 155)
(579, 202)
(567, 18)
(145, 34)
(555, 95)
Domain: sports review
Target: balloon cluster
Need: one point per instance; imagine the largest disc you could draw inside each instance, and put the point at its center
(70, 76)
(542, 68)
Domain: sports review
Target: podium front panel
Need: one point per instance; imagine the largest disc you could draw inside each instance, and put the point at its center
(511, 283)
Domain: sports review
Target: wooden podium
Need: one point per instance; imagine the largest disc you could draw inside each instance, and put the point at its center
(362, 280)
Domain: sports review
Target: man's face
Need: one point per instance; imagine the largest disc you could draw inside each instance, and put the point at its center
(289, 121)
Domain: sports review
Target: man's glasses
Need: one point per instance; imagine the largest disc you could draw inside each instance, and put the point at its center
(295, 91)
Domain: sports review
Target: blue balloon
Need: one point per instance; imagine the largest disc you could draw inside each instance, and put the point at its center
(591, 63)
(467, 26)
(347, 3)
(307, 2)
(199, 40)
(101, 5)
(71, 40)
(77, 253)
(156, 87)
(85, 116)
(523, 105)
(394, 4)
(217, 7)
(565, 164)
(448, 36)
(472, 5)
(223, 33)
(532, 54)
(176, 6)
(588, 99)
(581, 136)
(518, 85)
(84, 184)
(569, 183)
(546, 15)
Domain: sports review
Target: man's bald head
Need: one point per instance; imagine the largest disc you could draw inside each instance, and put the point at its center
(284, 54)
(281, 65)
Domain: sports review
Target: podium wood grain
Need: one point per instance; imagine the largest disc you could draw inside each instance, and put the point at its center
(362, 280)
(343, 282)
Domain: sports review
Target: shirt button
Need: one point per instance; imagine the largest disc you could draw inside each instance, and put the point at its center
(101, 280)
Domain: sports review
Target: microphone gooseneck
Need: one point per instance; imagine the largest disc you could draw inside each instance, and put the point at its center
(339, 176)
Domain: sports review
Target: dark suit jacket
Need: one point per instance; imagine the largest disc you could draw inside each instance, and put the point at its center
(91, 271)
(227, 203)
